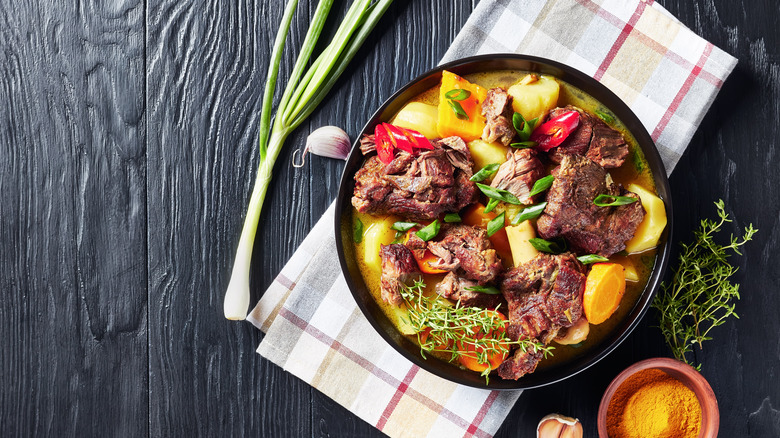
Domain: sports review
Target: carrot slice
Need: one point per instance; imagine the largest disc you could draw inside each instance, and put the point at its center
(604, 288)
(469, 357)
(476, 217)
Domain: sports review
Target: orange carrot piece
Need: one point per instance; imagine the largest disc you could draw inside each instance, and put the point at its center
(449, 123)
(469, 357)
(604, 288)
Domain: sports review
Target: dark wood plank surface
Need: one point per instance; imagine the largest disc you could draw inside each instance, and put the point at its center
(127, 151)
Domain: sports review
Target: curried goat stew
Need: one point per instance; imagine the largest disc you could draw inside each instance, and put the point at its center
(505, 221)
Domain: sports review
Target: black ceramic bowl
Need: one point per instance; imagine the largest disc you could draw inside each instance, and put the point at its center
(344, 233)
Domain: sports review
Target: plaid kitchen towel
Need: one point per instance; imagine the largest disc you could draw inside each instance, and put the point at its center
(314, 329)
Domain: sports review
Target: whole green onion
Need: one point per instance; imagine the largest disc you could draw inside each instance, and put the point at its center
(304, 91)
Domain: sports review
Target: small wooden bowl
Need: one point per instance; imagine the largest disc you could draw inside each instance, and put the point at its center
(710, 417)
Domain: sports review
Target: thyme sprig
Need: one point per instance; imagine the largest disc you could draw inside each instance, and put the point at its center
(700, 296)
(446, 328)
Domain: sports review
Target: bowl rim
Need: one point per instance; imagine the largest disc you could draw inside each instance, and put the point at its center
(676, 369)
(594, 88)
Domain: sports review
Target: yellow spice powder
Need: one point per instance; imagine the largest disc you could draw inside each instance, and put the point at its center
(653, 404)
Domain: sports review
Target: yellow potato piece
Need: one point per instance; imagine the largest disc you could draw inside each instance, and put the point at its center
(628, 265)
(419, 116)
(518, 235)
(378, 233)
(535, 99)
(484, 153)
(652, 225)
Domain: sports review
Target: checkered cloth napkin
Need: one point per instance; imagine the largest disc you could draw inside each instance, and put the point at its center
(314, 329)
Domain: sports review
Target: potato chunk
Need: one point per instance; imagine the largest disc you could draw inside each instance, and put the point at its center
(522, 250)
(378, 233)
(536, 98)
(649, 231)
(484, 153)
(418, 116)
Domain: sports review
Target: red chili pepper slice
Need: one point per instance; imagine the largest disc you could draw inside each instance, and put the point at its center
(418, 140)
(553, 132)
(399, 138)
(384, 147)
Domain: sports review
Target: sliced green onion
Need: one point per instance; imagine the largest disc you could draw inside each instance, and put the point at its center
(458, 109)
(551, 247)
(605, 117)
(452, 217)
(524, 128)
(591, 258)
(430, 231)
(399, 237)
(485, 172)
(457, 94)
(490, 290)
(613, 201)
(491, 205)
(500, 194)
(495, 224)
(357, 234)
(404, 226)
(524, 144)
(530, 212)
(541, 185)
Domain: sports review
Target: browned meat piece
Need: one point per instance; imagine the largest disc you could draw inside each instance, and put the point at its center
(519, 364)
(593, 139)
(419, 188)
(570, 211)
(497, 109)
(416, 245)
(518, 173)
(467, 251)
(398, 266)
(543, 296)
(367, 144)
(459, 155)
(454, 288)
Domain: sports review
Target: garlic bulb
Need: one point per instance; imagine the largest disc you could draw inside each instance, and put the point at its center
(327, 141)
(558, 426)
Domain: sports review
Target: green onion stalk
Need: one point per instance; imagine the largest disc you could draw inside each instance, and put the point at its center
(306, 88)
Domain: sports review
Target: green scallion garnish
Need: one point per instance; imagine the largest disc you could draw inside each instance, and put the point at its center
(357, 234)
(404, 226)
(613, 201)
(530, 212)
(524, 128)
(452, 217)
(458, 109)
(592, 258)
(491, 205)
(495, 224)
(524, 144)
(551, 247)
(457, 94)
(490, 290)
(430, 231)
(485, 172)
(500, 194)
(541, 185)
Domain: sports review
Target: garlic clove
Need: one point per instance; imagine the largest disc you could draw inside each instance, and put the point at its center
(559, 426)
(327, 141)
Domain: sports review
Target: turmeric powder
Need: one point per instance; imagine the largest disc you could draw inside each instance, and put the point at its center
(653, 404)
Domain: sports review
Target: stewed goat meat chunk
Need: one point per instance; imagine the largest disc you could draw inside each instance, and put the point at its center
(467, 251)
(543, 296)
(457, 289)
(571, 213)
(592, 138)
(518, 174)
(398, 267)
(497, 109)
(418, 187)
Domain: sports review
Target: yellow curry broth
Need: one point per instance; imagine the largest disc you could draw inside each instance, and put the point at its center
(635, 170)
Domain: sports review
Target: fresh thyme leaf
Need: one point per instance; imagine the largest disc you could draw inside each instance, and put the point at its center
(496, 224)
(404, 226)
(430, 231)
(541, 185)
(591, 258)
(530, 212)
(700, 296)
(357, 234)
(452, 217)
(485, 172)
(613, 201)
(455, 329)
(501, 195)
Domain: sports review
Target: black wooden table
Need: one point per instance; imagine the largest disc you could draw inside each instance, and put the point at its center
(128, 135)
